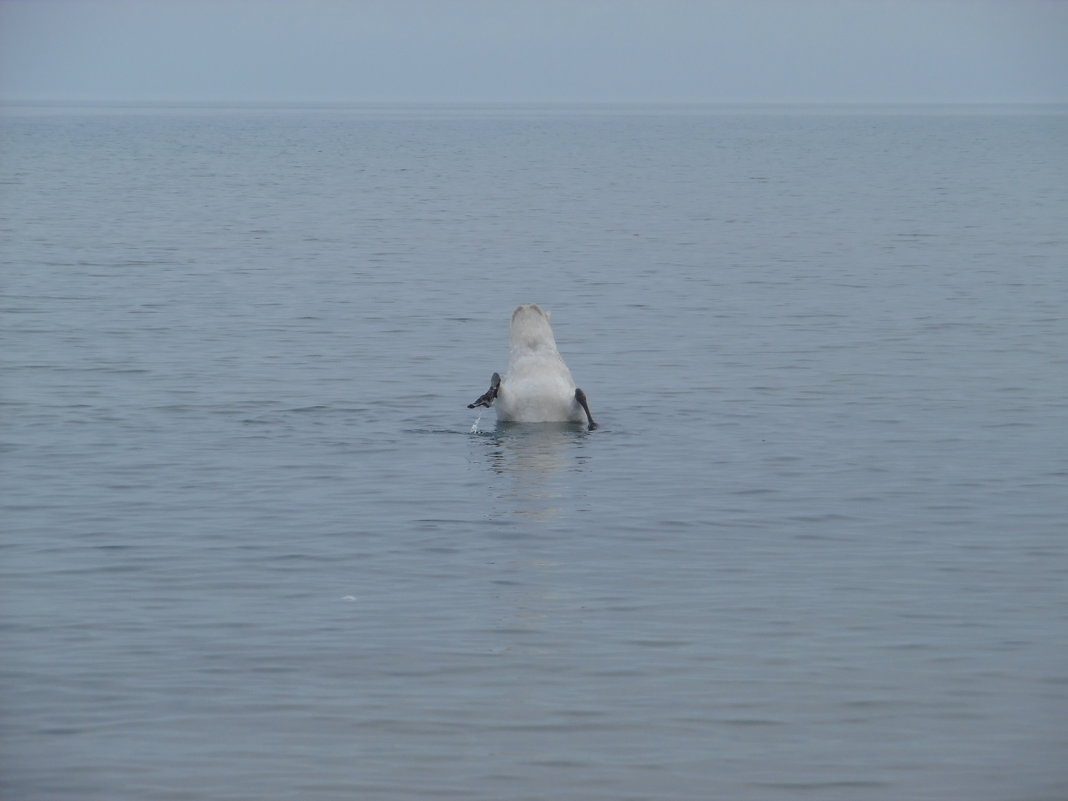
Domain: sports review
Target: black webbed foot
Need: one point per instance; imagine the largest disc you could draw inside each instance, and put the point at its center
(580, 396)
(490, 395)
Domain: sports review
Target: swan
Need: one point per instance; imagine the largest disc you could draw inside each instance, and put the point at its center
(538, 387)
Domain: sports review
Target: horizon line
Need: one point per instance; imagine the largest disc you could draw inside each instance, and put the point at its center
(71, 101)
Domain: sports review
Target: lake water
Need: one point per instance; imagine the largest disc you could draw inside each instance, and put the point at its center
(258, 549)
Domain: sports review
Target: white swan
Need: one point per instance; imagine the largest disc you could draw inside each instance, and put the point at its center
(538, 387)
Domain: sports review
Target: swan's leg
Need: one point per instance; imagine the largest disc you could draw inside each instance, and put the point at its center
(580, 396)
(490, 395)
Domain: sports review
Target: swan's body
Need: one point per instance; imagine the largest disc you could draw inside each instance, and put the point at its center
(538, 387)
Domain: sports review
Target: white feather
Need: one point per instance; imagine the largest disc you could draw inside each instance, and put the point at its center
(538, 387)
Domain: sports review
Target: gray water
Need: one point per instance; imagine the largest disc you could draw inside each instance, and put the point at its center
(257, 548)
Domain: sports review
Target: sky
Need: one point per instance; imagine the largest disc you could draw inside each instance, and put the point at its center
(865, 51)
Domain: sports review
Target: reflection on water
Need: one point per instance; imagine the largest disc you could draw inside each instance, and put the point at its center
(536, 456)
(535, 467)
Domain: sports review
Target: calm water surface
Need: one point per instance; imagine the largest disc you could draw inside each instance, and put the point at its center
(256, 548)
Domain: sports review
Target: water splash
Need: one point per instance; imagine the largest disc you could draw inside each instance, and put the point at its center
(474, 425)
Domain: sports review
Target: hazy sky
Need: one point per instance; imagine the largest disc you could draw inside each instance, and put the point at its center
(535, 50)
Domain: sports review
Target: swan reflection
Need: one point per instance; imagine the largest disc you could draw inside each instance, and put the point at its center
(535, 459)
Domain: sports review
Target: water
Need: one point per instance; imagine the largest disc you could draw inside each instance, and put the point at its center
(257, 547)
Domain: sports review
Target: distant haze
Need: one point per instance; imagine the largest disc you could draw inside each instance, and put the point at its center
(534, 50)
